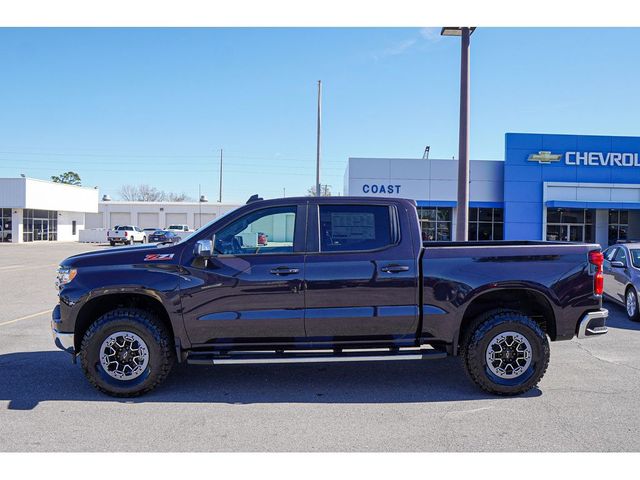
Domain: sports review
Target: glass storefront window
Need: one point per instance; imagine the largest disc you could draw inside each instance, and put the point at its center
(486, 224)
(618, 225)
(435, 223)
(39, 225)
(5, 225)
(570, 224)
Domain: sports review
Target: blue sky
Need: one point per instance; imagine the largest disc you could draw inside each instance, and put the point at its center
(155, 105)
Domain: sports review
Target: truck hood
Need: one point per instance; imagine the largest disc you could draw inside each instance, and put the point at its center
(125, 255)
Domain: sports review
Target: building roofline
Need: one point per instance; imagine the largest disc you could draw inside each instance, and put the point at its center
(139, 202)
(48, 181)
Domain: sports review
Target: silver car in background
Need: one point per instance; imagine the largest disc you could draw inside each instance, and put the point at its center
(622, 276)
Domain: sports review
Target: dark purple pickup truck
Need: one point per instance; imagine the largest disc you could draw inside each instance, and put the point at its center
(340, 279)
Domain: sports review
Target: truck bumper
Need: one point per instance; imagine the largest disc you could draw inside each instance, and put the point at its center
(593, 324)
(64, 341)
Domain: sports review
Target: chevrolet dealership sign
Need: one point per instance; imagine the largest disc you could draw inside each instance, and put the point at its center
(602, 159)
(592, 159)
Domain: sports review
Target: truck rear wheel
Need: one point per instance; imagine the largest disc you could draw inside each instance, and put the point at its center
(506, 353)
(126, 352)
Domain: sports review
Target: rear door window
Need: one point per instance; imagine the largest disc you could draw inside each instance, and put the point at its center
(355, 228)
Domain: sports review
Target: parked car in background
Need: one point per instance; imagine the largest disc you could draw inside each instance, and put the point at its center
(163, 236)
(622, 276)
(178, 228)
(126, 234)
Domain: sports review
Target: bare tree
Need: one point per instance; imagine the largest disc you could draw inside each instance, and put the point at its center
(147, 193)
(325, 191)
(129, 193)
(178, 197)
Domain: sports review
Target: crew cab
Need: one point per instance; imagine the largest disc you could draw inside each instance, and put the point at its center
(340, 279)
(126, 234)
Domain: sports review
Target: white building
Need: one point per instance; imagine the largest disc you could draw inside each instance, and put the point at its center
(39, 210)
(156, 214)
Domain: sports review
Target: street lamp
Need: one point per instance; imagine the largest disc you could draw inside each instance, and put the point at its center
(462, 224)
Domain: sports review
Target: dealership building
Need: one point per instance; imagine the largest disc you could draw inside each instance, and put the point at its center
(156, 214)
(37, 210)
(549, 187)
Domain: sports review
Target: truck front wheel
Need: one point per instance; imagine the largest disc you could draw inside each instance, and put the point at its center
(506, 353)
(126, 352)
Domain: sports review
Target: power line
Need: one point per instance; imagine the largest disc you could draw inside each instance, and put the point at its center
(161, 156)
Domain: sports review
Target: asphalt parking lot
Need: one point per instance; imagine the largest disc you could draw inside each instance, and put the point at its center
(587, 401)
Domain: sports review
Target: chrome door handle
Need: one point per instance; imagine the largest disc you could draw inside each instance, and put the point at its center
(284, 271)
(395, 268)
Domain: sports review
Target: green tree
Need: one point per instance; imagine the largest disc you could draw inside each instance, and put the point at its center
(70, 178)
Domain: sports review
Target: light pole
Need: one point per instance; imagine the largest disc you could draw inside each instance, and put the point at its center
(462, 223)
(318, 138)
(220, 195)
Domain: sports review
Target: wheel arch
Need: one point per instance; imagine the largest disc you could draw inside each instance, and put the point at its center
(528, 301)
(99, 305)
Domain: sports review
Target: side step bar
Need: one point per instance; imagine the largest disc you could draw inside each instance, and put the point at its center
(298, 356)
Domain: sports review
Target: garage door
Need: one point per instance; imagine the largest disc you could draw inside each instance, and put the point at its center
(202, 219)
(176, 219)
(119, 218)
(149, 220)
(93, 220)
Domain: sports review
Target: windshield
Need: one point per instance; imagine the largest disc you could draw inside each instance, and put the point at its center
(635, 257)
(206, 225)
(159, 232)
(176, 227)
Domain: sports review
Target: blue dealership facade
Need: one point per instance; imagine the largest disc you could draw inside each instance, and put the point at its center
(549, 186)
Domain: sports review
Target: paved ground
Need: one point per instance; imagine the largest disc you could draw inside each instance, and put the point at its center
(588, 400)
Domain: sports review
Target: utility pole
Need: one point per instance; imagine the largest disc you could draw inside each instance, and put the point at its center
(462, 227)
(220, 196)
(462, 214)
(318, 138)
(199, 207)
(284, 192)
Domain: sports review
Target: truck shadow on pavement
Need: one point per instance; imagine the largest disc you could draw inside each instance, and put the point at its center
(28, 378)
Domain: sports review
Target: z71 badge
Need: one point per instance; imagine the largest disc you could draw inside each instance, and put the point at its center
(158, 256)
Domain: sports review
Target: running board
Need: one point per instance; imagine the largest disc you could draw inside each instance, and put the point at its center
(312, 356)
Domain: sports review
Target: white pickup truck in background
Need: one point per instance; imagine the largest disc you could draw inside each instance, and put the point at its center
(126, 234)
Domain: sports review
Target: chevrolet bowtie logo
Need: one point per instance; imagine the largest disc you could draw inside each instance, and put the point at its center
(544, 157)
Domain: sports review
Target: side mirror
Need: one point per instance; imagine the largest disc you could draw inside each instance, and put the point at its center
(618, 264)
(203, 248)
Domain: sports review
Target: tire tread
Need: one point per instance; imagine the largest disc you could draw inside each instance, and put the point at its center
(143, 319)
(473, 361)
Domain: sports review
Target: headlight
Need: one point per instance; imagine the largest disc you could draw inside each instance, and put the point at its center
(65, 275)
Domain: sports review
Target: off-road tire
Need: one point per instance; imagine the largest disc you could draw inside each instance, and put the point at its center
(636, 315)
(145, 325)
(483, 330)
